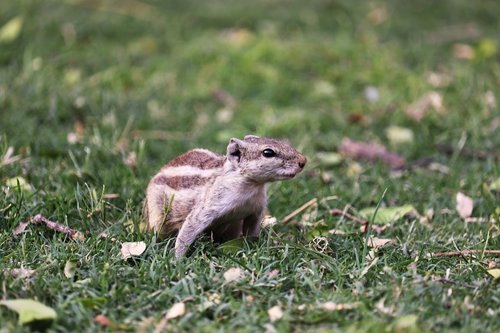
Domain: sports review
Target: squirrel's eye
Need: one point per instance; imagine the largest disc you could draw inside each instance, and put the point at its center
(268, 153)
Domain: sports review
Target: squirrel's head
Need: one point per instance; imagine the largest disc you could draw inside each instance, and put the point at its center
(264, 160)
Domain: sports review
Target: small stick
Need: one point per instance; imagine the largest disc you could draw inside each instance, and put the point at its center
(299, 210)
(72, 233)
(337, 212)
(468, 152)
(162, 325)
(464, 253)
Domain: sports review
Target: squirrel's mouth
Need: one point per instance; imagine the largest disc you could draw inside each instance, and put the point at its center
(288, 175)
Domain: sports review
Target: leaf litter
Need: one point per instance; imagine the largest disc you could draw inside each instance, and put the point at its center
(464, 205)
(30, 310)
(371, 152)
(130, 249)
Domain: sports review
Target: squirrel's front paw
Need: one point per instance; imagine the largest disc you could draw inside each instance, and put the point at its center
(180, 249)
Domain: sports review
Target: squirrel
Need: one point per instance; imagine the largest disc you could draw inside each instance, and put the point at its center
(225, 196)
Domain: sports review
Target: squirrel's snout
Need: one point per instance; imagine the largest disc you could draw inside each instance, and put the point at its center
(302, 161)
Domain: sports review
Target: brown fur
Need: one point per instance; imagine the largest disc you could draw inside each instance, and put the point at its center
(180, 182)
(197, 159)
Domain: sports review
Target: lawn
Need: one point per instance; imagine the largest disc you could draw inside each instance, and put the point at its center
(95, 96)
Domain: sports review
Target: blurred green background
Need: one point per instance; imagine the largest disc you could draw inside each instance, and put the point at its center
(96, 95)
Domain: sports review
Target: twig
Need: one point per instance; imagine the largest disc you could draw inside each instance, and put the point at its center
(299, 210)
(72, 233)
(343, 213)
(367, 268)
(448, 281)
(468, 152)
(162, 325)
(464, 253)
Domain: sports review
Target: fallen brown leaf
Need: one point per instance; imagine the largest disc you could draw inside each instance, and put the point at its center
(234, 274)
(267, 221)
(495, 272)
(464, 206)
(177, 310)
(22, 273)
(225, 98)
(275, 313)
(273, 273)
(430, 101)
(463, 51)
(371, 151)
(21, 227)
(102, 320)
(378, 242)
(332, 306)
(130, 249)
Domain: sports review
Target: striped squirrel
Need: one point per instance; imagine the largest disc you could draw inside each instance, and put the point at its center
(225, 196)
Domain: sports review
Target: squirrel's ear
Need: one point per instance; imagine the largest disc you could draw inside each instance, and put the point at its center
(234, 149)
(250, 137)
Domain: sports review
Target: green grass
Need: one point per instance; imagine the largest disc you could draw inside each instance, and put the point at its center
(137, 80)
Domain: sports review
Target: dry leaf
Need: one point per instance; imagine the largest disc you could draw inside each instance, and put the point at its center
(236, 37)
(372, 94)
(9, 157)
(214, 298)
(367, 268)
(273, 273)
(21, 227)
(438, 80)
(19, 182)
(110, 196)
(177, 310)
(378, 15)
(11, 30)
(69, 269)
(332, 306)
(430, 101)
(495, 272)
(323, 88)
(399, 135)
(463, 51)
(490, 99)
(22, 273)
(370, 151)
(267, 221)
(233, 274)
(386, 215)
(336, 232)
(492, 264)
(30, 310)
(380, 306)
(130, 249)
(378, 242)
(465, 205)
(329, 159)
(225, 98)
(275, 313)
(102, 320)
(72, 138)
(131, 159)
(224, 115)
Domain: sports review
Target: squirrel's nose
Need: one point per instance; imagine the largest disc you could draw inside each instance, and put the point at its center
(302, 162)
